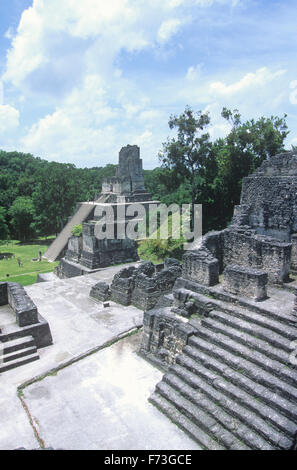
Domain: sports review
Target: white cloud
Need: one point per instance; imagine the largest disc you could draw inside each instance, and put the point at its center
(52, 35)
(68, 56)
(85, 126)
(27, 49)
(168, 28)
(260, 78)
(9, 33)
(9, 119)
(194, 73)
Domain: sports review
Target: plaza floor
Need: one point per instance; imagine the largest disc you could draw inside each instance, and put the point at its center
(90, 389)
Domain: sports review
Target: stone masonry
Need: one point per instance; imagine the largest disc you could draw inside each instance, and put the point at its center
(246, 282)
(140, 286)
(226, 340)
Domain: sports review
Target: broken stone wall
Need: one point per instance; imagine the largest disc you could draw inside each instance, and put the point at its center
(140, 286)
(242, 246)
(272, 204)
(164, 336)
(269, 197)
(201, 266)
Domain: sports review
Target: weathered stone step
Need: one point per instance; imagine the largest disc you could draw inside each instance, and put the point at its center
(211, 403)
(271, 424)
(18, 362)
(183, 422)
(227, 298)
(287, 331)
(18, 354)
(271, 398)
(255, 330)
(202, 419)
(247, 339)
(256, 373)
(270, 365)
(17, 344)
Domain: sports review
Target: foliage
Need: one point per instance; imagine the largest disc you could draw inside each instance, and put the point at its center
(38, 196)
(156, 249)
(77, 230)
(55, 188)
(4, 232)
(22, 216)
(212, 174)
(243, 150)
(186, 155)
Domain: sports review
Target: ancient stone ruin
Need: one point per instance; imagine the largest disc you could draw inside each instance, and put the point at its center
(87, 253)
(141, 286)
(227, 339)
(23, 330)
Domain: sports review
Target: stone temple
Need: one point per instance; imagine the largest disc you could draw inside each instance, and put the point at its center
(227, 337)
(87, 253)
(221, 329)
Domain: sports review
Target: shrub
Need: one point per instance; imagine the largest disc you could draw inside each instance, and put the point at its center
(77, 230)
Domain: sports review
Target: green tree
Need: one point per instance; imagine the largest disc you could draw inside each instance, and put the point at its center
(4, 232)
(54, 197)
(247, 145)
(186, 155)
(22, 216)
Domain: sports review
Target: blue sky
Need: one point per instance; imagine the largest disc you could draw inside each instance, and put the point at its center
(79, 80)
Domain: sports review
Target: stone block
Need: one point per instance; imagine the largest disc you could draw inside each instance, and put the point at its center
(100, 291)
(122, 286)
(200, 266)
(245, 281)
(24, 308)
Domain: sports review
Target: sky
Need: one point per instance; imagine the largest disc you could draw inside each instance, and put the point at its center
(79, 80)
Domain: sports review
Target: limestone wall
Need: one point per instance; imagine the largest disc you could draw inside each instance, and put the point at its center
(164, 336)
(272, 204)
(242, 246)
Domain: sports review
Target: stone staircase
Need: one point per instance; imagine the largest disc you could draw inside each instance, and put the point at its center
(17, 352)
(80, 216)
(233, 387)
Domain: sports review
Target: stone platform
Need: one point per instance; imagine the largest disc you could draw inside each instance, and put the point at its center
(102, 393)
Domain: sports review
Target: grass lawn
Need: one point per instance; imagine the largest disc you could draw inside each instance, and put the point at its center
(27, 273)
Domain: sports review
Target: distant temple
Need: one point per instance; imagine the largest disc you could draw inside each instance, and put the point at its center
(129, 180)
(87, 253)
